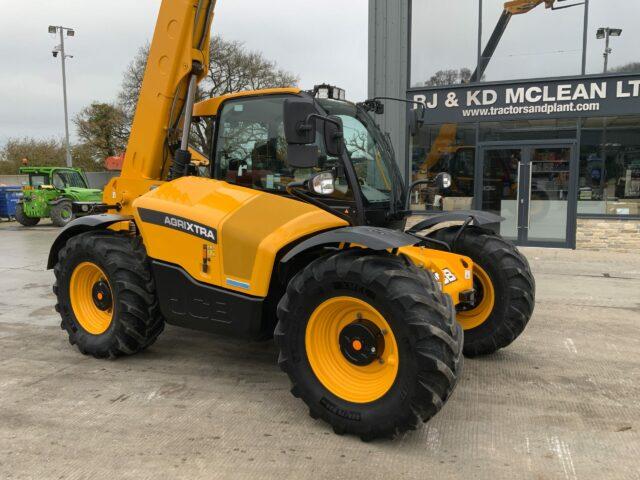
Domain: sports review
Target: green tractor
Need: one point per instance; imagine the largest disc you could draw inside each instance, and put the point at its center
(56, 193)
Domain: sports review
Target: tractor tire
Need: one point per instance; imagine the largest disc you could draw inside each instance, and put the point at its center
(62, 213)
(340, 305)
(22, 218)
(505, 290)
(106, 295)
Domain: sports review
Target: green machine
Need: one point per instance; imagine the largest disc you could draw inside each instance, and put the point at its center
(56, 192)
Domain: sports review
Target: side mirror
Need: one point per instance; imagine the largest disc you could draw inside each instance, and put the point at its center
(333, 136)
(300, 132)
(443, 181)
(322, 184)
(296, 115)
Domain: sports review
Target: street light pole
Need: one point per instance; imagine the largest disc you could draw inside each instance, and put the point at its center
(63, 57)
(607, 50)
(607, 33)
(64, 94)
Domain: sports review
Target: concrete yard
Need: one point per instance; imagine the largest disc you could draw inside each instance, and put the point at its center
(563, 402)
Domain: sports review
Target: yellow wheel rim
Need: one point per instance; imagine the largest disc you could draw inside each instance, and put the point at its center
(346, 380)
(479, 314)
(84, 278)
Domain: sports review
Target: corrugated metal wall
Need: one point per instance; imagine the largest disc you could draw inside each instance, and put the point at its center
(389, 29)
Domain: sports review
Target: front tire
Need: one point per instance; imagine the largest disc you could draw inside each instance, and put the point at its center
(106, 295)
(23, 219)
(341, 306)
(62, 213)
(505, 290)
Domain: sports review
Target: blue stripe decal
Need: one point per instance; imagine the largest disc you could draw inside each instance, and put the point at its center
(235, 283)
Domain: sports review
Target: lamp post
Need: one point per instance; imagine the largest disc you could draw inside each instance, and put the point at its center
(59, 49)
(606, 33)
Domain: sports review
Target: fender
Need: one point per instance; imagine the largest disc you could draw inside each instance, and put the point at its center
(78, 226)
(59, 200)
(479, 218)
(371, 237)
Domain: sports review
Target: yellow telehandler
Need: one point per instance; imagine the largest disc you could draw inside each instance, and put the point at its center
(294, 230)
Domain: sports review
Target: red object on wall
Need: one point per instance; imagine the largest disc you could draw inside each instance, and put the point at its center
(114, 163)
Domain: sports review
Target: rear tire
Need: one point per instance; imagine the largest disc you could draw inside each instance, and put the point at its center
(62, 213)
(135, 321)
(23, 219)
(513, 286)
(423, 329)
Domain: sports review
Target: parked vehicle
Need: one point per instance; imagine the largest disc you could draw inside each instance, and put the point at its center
(51, 192)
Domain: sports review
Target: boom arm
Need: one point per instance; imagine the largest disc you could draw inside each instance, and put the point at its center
(178, 59)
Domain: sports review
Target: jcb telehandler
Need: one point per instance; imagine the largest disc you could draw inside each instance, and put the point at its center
(297, 232)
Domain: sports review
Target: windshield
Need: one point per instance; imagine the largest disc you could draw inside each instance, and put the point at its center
(68, 178)
(369, 152)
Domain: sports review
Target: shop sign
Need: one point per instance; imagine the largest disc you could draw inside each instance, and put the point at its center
(566, 98)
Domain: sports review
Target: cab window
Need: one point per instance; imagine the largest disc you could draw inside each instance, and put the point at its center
(251, 149)
(58, 182)
(38, 180)
(68, 178)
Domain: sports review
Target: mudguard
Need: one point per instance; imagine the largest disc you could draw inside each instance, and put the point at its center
(479, 217)
(81, 225)
(371, 237)
(58, 200)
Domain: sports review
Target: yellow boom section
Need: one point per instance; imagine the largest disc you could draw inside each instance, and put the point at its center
(180, 49)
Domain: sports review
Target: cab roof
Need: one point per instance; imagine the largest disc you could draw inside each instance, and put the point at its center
(210, 107)
(48, 170)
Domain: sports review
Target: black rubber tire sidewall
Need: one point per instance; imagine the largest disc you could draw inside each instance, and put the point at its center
(23, 219)
(56, 213)
(396, 399)
(92, 343)
(513, 283)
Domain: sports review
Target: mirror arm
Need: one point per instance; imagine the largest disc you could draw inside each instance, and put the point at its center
(407, 205)
(322, 118)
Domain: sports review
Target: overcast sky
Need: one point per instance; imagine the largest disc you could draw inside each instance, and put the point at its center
(319, 41)
(538, 44)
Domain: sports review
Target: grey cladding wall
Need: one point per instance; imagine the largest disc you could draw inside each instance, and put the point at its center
(389, 68)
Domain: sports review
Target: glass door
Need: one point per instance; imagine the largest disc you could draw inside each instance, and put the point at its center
(501, 172)
(528, 185)
(547, 209)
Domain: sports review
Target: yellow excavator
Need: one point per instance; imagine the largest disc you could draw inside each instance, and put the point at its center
(295, 230)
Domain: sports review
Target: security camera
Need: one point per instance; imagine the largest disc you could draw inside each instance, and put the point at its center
(55, 53)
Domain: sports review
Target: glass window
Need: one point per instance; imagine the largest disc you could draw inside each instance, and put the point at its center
(64, 179)
(38, 180)
(444, 41)
(537, 44)
(366, 155)
(449, 148)
(614, 14)
(525, 130)
(609, 181)
(251, 149)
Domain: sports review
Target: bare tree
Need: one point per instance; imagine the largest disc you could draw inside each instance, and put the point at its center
(232, 69)
(449, 77)
(632, 67)
(132, 82)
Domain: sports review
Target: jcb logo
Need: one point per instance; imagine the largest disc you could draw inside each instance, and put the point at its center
(449, 277)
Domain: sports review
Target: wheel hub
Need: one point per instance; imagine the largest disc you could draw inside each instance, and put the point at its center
(101, 294)
(362, 343)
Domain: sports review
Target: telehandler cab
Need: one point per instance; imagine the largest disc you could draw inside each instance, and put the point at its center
(296, 232)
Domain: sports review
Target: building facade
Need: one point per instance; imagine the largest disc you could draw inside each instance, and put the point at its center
(534, 110)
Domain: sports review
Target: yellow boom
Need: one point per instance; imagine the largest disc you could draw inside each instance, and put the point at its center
(178, 60)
